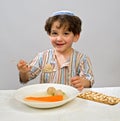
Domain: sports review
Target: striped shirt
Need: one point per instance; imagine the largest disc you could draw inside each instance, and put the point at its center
(45, 64)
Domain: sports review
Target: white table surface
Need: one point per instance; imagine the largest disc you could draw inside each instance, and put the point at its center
(77, 110)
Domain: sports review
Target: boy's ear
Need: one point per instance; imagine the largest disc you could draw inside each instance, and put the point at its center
(76, 38)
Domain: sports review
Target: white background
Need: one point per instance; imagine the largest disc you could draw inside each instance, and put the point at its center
(22, 36)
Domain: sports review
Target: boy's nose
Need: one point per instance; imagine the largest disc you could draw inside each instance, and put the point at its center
(59, 38)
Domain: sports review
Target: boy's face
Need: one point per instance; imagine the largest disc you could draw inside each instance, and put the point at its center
(61, 38)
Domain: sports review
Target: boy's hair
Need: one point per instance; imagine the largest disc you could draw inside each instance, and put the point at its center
(69, 22)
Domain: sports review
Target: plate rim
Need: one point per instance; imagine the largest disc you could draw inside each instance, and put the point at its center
(49, 104)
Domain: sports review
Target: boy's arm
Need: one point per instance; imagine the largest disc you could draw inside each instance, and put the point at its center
(24, 77)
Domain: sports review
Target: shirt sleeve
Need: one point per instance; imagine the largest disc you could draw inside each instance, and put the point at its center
(86, 68)
(35, 67)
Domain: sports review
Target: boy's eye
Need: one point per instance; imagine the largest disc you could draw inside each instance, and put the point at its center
(53, 33)
(66, 33)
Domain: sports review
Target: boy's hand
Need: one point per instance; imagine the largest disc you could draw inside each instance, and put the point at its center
(78, 82)
(23, 67)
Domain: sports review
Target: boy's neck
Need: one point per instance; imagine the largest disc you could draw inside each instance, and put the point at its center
(62, 58)
(65, 55)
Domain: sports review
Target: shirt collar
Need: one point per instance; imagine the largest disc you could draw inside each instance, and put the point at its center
(66, 64)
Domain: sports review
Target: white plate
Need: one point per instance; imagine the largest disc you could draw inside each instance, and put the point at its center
(21, 93)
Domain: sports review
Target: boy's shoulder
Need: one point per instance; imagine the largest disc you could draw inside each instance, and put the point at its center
(76, 52)
(80, 55)
(46, 52)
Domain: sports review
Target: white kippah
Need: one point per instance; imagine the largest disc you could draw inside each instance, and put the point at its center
(63, 12)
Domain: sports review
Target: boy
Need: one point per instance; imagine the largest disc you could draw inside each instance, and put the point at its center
(61, 64)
